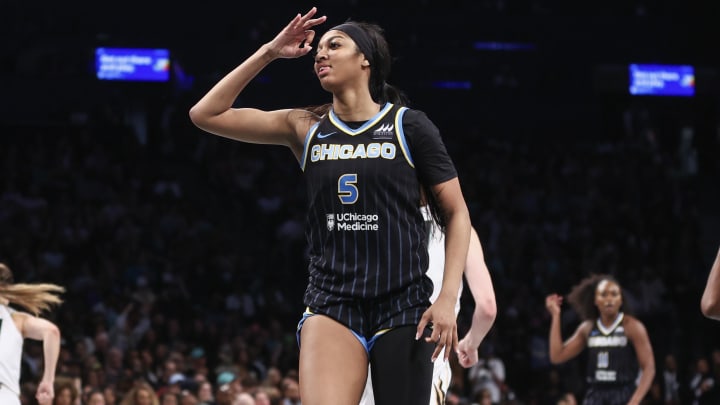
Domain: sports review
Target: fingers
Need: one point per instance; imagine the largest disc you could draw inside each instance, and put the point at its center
(313, 22)
(467, 354)
(463, 359)
(446, 339)
(294, 22)
(455, 343)
(43, 398)
(309, 36)
(449, 341)
(421, 325)
(303, 22)
(553, 299)
(435, 335)
(309, 14)
(307, 21)
(436, 352)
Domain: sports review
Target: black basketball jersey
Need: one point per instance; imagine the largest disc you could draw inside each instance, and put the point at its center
(611, 355)
(366, 233)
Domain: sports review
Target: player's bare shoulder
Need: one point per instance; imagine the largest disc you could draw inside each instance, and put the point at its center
(633, 327)
(585, 328)
(19, 318)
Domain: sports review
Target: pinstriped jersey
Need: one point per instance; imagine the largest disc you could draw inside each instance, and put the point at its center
(365, 229)
(11, 342)
(611, 355)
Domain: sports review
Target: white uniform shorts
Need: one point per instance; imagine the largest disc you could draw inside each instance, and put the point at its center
(8, 397)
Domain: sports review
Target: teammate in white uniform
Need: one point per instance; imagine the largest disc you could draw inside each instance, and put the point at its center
(480, 284)
(15, 326)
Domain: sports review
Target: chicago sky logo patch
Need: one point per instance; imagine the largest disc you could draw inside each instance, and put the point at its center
(385, 131)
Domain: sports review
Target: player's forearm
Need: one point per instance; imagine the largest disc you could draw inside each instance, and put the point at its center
(51, 352)
(457, 239)
(646, 379)
(222, 96)
(482, 321)
(710, 302)
(555, 339)
(481, 287)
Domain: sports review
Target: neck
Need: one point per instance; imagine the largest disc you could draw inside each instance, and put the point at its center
(355, 106)
(608, 320)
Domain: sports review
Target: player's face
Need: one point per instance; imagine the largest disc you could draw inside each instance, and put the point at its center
(608, 297)
(338, 62)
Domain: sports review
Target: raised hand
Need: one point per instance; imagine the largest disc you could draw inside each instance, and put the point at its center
(295, 39)
(553, 303)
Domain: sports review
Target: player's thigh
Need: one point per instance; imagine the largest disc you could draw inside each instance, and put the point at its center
(333, 363)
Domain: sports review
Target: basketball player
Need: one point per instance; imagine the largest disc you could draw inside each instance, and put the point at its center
(15, 326)
(366, 157)
(480, 283)
(618, 344)
(710, 302)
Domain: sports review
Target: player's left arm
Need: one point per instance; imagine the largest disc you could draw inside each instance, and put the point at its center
(636, 332)
(457, 238)
(36, 328)
(481, 288)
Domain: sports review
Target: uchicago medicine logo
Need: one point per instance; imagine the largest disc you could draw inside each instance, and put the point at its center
(350, 221)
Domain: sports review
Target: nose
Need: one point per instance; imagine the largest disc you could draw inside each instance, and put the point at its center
(320, 55)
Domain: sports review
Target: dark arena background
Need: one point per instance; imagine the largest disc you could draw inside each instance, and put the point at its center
(183, 253)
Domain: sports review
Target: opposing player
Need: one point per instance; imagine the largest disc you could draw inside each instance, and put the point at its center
(15, 326)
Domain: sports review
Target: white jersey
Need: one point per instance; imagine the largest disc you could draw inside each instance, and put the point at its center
(11, 342)
(436, 268)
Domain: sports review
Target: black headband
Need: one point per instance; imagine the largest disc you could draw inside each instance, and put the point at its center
(360, 37)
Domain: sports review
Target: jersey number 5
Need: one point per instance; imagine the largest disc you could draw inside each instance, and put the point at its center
(347, 190)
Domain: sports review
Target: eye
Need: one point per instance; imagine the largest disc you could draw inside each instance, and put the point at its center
(333, 45)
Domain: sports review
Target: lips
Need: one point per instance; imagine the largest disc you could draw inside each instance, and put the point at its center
(322, 69)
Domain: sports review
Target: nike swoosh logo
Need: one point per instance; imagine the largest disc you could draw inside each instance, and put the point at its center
(326, 135)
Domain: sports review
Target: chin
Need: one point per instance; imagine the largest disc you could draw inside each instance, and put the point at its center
(328, 85)
(324, 87)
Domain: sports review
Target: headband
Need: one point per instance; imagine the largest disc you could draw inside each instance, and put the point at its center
(360, 37)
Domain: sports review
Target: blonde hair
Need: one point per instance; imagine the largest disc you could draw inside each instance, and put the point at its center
(36, 298)
(130, 397)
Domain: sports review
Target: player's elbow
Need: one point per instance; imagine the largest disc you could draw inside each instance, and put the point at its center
(488, 310)
(196, 116)
(710, 307)
(51, 332)
(555, 359)
(201, 116)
